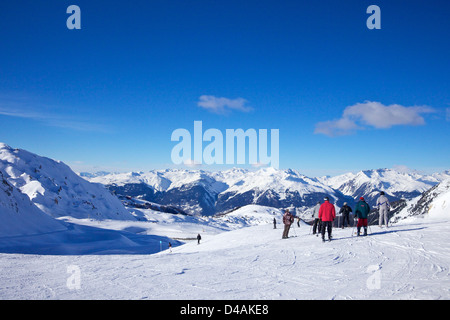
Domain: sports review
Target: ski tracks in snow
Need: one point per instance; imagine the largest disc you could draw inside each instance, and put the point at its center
(413, 269)
(403, 262)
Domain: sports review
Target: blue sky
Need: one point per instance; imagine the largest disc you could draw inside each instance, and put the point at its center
(344, 98)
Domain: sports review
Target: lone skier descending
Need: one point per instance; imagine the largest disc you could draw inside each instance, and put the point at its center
(199, 237)
(362, 212)
(327, 213)
(288, 219)
(383, 209)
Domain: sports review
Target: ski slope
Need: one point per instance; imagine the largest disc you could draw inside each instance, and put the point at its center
(409, 260)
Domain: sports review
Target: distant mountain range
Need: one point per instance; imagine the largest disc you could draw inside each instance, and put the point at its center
(201, 192)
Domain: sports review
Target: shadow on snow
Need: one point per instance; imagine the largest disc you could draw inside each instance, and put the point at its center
(384, 231)
(86, 240)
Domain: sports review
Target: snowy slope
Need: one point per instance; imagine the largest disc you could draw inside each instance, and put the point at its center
(252, 215)
(407, 261)
(55, 189)
(19, 216)
(440, 207)
(432, 204)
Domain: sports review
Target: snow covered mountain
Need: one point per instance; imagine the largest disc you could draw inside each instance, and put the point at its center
(275, 188)
(397, 185)
(55, 189)
(19, 216)
(433, 203)
(192, 191)
(201, 192)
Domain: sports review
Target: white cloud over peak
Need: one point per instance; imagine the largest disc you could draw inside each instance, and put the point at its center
(372, 114)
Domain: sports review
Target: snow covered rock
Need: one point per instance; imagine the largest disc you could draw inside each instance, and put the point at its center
(19, 216)
(55, 189)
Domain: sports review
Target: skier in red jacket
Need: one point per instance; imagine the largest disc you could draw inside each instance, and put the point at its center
(327, 213)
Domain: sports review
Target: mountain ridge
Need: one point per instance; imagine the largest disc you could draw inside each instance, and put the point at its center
(219, 191)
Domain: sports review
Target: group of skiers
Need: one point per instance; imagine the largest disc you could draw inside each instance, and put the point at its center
(325, 213)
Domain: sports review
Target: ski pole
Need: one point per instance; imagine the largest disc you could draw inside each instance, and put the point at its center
(295, 233)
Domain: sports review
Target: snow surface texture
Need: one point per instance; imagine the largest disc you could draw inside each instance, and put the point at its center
(409, 260)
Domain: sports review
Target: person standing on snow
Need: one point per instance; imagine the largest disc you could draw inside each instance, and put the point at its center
(345, 212)
(317, 222)
(288, 219)
(362, 212)
(199, 237)
(383, 209)
(327, 213)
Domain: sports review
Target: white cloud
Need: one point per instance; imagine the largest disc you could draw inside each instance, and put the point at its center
(372, 114)
(222, 105)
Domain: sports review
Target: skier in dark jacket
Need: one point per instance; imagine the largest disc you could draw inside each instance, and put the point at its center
(362, 210)
(199, 237)
(345, 212)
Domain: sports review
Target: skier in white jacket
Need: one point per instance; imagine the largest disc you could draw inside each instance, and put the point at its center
(383, 209)
(317, 222)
